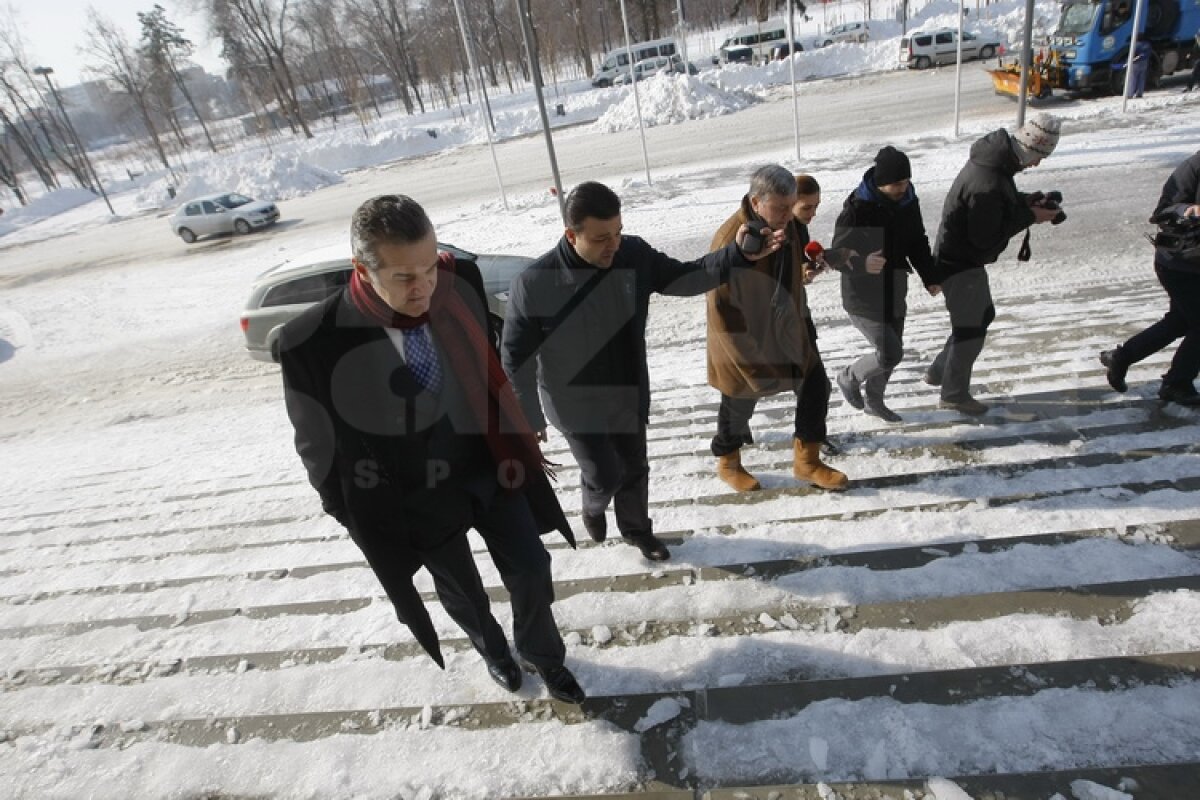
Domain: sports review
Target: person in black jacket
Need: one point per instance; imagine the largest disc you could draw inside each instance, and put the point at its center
(411, 435)
(1177, 265)
(881, 222)
(982, 212)
(575, 333)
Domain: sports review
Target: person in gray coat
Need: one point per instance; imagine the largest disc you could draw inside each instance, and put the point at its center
(982, 212)
(574, 343)
(881, 222)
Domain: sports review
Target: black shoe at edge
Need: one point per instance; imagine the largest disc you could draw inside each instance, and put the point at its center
(1185, 395)
(1116, 366)
(505, 672)
(560, 682)
(651, 546)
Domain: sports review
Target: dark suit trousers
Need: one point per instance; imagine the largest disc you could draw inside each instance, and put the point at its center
(812, 409)
(613, 467)
(511, 536)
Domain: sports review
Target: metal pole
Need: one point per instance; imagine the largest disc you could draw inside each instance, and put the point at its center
(465, 30)
(1133, 41)
(637, 100)
(1026, 62)
(792, 68)
(535, 69)
(45, 73)
(958, 69)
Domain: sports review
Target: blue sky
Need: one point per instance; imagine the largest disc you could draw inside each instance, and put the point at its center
(54, 30)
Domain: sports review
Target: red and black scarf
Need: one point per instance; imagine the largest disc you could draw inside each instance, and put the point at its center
(465, 343)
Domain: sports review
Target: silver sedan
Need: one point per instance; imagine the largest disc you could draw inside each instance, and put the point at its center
(228, 212)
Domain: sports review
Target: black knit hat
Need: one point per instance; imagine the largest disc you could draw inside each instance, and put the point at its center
(891, 166)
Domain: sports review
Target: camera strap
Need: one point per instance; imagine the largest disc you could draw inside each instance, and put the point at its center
(1025, 252)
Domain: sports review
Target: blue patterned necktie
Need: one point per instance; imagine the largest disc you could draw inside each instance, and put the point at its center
(421, 358)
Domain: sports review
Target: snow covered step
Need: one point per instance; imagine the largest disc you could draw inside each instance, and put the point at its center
(1181, 533)
(1151, 781)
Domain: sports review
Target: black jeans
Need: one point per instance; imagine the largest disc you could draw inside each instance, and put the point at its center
(1181, 320)
(812, 407)
(614, 468)
(508, 528)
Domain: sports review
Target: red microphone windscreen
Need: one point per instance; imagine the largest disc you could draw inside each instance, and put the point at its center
(814, 250)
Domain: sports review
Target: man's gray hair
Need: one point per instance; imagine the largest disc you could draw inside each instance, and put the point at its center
(772, 179)
(391, 218)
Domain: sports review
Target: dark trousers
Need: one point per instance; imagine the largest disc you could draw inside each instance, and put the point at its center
(812, 407)
(1195, 74)
(1181, 320)
(873, 371)
(510, 533)
(613, 468)
(968, 298)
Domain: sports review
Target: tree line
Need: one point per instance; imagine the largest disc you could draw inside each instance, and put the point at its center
(291, 62)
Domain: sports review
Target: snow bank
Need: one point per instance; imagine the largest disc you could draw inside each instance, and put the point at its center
(44, 207)
(668, 99)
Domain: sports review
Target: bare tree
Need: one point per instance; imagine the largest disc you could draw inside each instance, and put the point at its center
(384, 28)
(115, 59)
(163, 46)
(259, 29)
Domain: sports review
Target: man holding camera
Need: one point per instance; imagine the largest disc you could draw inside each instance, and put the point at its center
(761, 338)
(575, 329)
(982, 212)
(1177, 265)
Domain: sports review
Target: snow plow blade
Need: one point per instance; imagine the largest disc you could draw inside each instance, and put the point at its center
(1007, 81)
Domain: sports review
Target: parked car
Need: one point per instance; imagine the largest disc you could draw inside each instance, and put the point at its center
(753, 43)
(846, 32)
(228, 212)
(287, 289)
(653, 66)
(779, 50)
(617, 62)
(924, 49)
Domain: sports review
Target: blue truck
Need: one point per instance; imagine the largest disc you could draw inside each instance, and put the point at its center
(1089, 50)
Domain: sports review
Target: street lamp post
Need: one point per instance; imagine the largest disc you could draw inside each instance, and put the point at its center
(45, 72)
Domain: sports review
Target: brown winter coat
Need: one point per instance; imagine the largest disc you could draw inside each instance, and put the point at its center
(760, 337)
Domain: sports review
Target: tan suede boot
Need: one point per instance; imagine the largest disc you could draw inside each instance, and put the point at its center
(730, 470)
(808, 467)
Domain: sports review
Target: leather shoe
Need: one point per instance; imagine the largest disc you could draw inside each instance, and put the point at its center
(1117, 368)
(505, 672)
(932, 378)
(650, 545)
(850, 389)
(560, 682)
(1184, 395)
(596, 527)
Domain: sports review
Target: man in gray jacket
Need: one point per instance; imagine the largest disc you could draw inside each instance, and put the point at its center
(982, 212)
(575, 329)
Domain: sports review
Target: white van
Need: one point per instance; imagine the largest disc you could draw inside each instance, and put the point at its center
(925, 49)
(618, 60)
(753, 42)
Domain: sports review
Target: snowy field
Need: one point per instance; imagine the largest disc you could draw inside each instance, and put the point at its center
(178, 618)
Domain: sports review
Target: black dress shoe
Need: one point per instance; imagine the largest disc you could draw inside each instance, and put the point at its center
(1117, 368)
(596, 527)
(505, 672)
(876, 408)
(560, 683)
(1184, 395)
(650, 545)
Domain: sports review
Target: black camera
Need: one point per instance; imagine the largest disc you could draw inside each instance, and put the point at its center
(1051, 201)
(754, 240)
(1177, 234)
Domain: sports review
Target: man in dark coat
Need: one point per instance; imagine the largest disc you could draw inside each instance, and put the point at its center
(881, 222)
(575, 341)
(1177, 265)
(982, 212)
(411, 435)
(761, 337)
